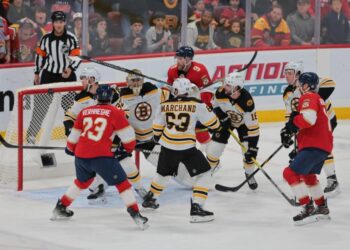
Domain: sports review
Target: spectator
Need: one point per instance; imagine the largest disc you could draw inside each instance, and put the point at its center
(302, 24)
(132, 9)
(4, 5)
(5, 54)
(271, 29)
(211, 4)
(28, 41)
(260, 7)
(18, 11)
(326, 8)
(158, 38)
(335, 26)
(200, 34)
(136, 42)
(198, 8)
(100, 39)
(77, 30)
(231, 36)
(40, 18)
(233, 11)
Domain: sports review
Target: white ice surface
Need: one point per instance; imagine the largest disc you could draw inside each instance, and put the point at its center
(244, 220)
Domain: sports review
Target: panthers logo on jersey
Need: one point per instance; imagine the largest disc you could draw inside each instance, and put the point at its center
(143, 111)
(294, 103)
(236, 118)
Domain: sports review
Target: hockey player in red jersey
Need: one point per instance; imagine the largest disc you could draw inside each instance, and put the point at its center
(198, 74)
(291, 97)
(315, 142)
(90, 141)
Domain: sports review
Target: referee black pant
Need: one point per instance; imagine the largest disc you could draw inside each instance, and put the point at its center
(42, 102)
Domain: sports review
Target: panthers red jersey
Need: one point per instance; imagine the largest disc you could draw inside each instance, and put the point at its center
(197, 74)
(315, 129)
(95, 128)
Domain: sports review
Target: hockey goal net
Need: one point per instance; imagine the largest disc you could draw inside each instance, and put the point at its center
(37, 121)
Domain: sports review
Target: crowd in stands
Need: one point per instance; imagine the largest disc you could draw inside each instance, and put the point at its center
(126, 27)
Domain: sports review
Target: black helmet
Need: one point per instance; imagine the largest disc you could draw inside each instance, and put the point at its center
(185, 51)
(58, 15)
(309, 78)
(104, 93)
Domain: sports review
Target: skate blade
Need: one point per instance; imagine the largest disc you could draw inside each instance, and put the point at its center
(333, 193)
(99, 201)
(312, 219)
(200, 219)
(143, 225)
(58, 218)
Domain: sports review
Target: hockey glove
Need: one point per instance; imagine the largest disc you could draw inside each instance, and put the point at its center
(294, 129)
(68, 152)
(250, 154)
(292, 155)
(68, 125)
(121, 153)
(286, 137)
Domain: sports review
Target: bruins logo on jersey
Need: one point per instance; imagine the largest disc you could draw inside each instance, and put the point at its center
(236, 118)
(294, 103)
(143, 111)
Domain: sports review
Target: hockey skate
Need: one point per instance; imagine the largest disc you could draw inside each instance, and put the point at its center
(61, 212)
(97, 196)
(322, 212)
(305, 216)
(198, 214)
(332, 187)
(252, 182)
(141, 192)
(139, 220)
(149, 201)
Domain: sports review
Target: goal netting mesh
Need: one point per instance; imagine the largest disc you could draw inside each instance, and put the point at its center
(37, 120)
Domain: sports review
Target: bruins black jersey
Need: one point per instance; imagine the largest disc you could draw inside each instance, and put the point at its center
(240, 111)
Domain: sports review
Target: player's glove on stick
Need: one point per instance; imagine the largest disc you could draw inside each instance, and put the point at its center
(286, 137)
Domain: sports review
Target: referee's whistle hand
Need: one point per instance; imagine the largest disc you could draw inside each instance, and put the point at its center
(36, 79)
(66, 73)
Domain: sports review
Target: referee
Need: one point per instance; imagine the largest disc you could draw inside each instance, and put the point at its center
(54, 65)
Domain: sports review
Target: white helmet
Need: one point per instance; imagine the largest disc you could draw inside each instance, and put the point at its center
(235, 79)
(182, 86)
(90, 72)
(296, 66)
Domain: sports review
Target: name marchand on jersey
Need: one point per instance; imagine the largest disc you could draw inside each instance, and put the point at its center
(292, 95)
(241, 111)
(141, 108)
(176, 120)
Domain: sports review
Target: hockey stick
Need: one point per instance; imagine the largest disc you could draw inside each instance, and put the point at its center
(90, 59)
(291, 201)
(236, 188)
(120, 68)
(250, 62)
(8, 145)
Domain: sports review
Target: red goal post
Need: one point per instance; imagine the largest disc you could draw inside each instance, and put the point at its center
(46, 130)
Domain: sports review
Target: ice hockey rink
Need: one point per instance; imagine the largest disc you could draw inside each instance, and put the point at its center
(243, 220)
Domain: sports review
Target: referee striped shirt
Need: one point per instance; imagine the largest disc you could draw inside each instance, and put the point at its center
(53, 51)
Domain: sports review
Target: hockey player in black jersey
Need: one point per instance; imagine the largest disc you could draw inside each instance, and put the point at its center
(235, 108)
